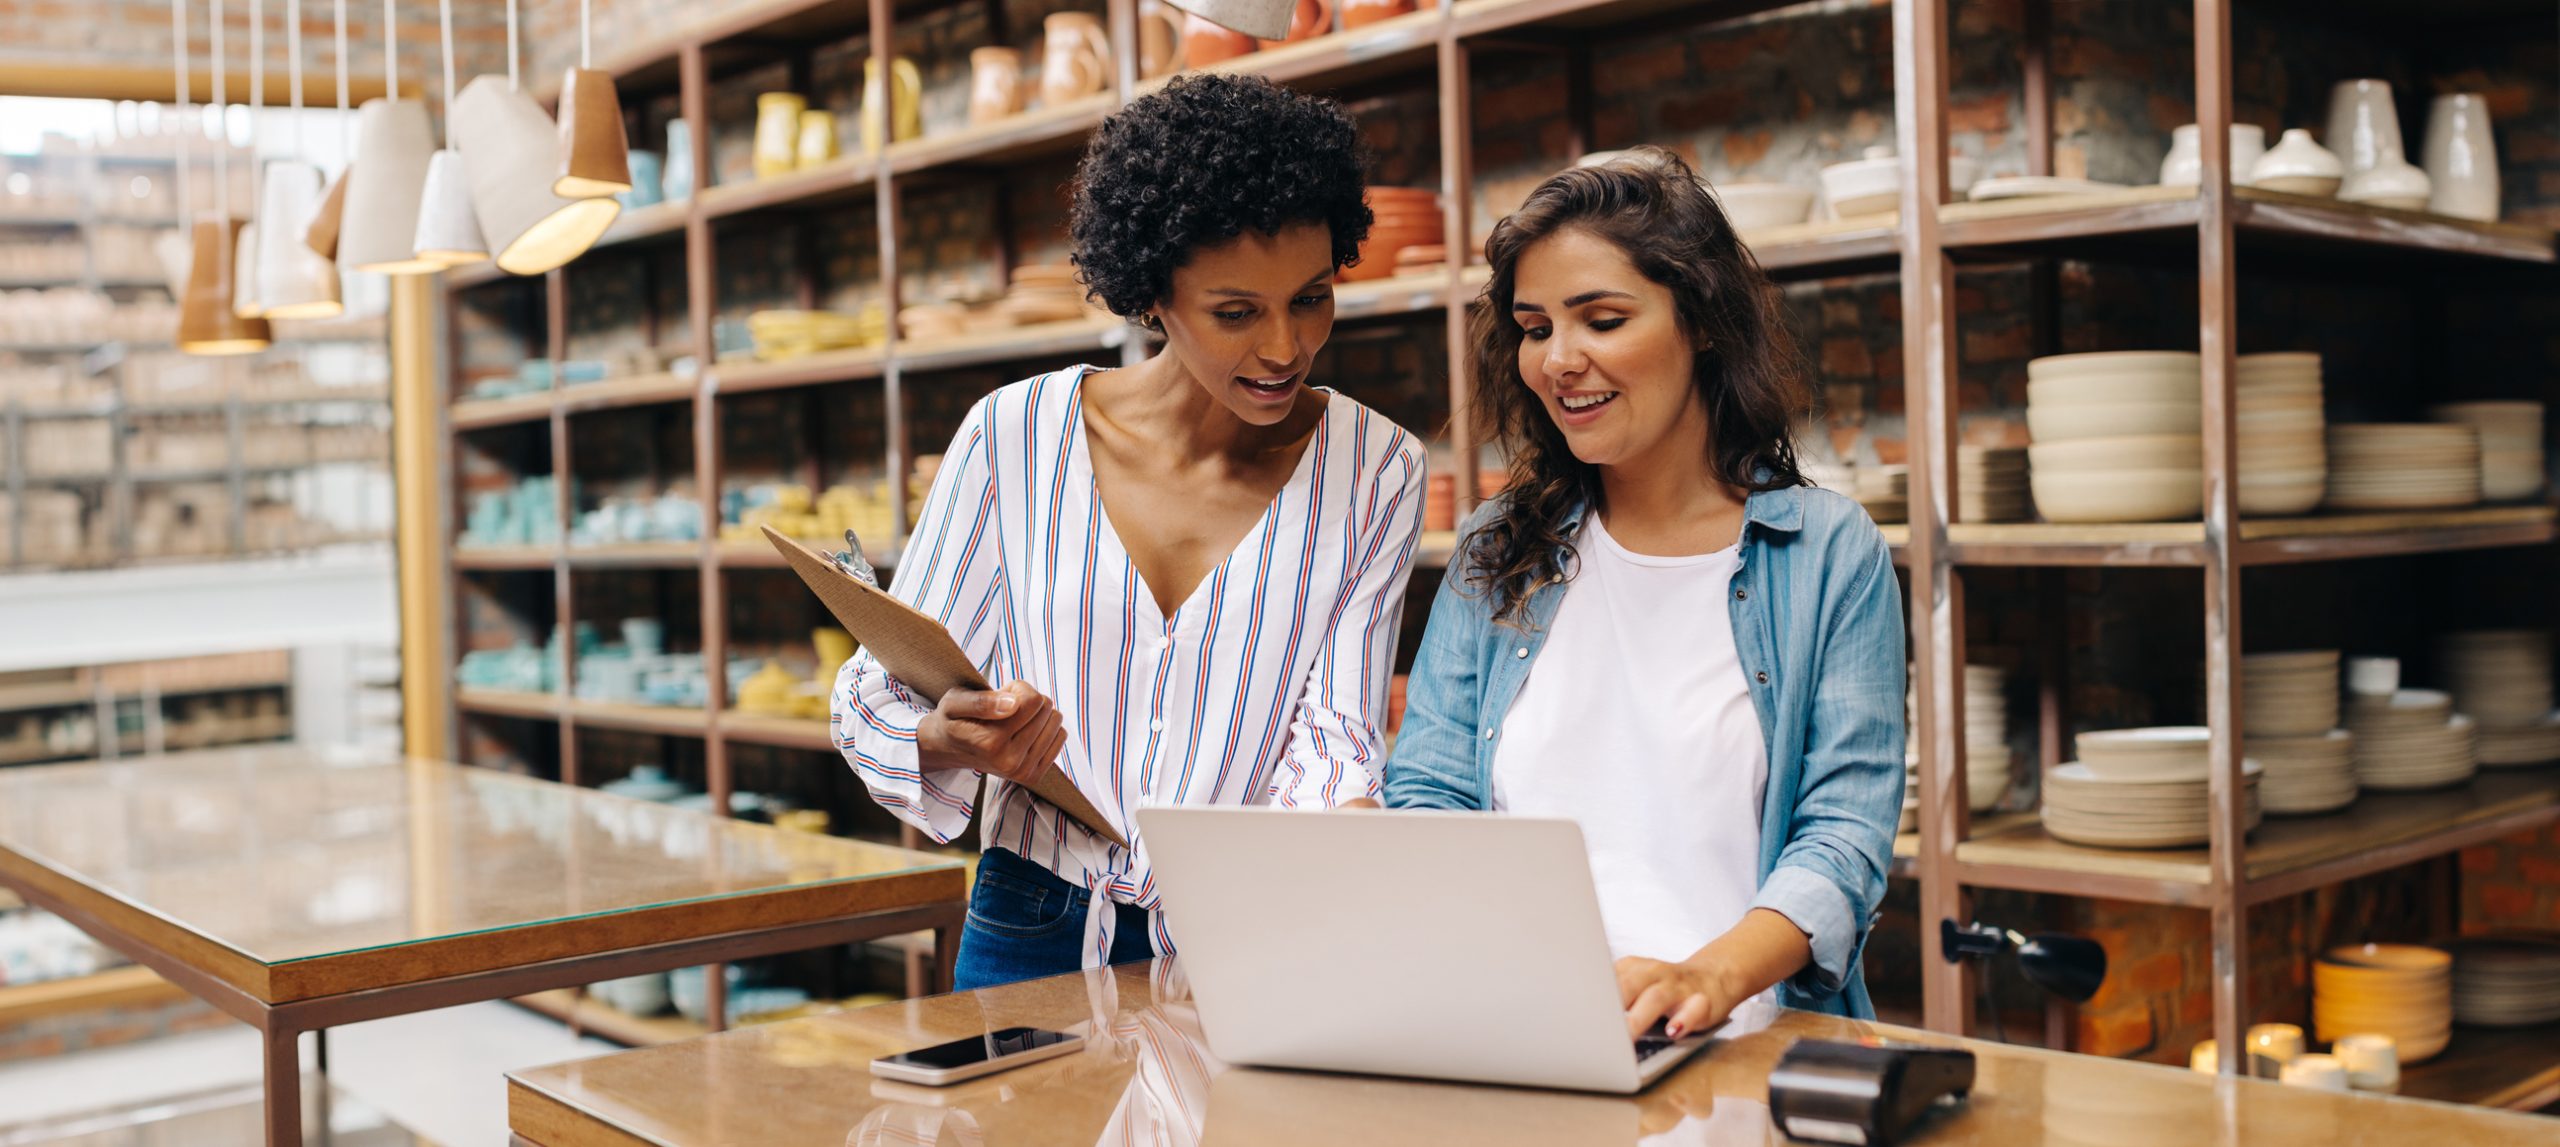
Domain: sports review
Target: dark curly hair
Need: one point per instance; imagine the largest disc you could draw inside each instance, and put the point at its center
(1197, 163)
(1747, 372)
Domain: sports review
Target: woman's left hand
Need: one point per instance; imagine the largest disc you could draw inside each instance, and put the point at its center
(1687, 996)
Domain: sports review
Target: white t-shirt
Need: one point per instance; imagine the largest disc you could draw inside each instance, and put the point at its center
(1636, 722)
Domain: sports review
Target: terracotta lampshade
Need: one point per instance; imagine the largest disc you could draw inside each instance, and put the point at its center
(594, 158)
(448, 230)
(206, 324)
(393, 141)
(1261, 19)
(296, 282)
(322, 234)
(245, 301)
(512, 155)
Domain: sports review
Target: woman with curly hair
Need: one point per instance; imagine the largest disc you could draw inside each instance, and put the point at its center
(1190, 571)
(1661, 632)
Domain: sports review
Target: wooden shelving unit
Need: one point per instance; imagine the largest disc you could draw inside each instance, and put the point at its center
(2514, 1068)
(132, 986)
(2214, 228)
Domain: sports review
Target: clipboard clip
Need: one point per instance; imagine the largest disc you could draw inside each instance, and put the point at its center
(855, 566)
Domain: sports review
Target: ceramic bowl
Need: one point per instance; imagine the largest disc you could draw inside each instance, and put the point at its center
(2119, 495)
(2049, 424)
(2115, 388)
(2116, 362)
(1753, 206)
(2132, 452)
(1870, 186)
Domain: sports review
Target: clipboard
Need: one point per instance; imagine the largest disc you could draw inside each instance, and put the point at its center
(919, 652)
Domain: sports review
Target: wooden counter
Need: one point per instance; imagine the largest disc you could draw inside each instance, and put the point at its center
(1148, 1076)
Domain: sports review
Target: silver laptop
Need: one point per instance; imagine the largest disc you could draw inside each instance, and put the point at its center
(1440, 945)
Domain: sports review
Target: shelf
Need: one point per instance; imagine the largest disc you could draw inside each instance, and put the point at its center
(2514, 1068)
(815, 370)
(760, 554)
(1476, 18)
(593, 1016)
(782, 732)
(617, 393)
(2286, 855)
(128, 987)
(480, 413)
(1906, 846)
(505, 557)
(1827, 247)
(1045, 340)
(19, 698)
(637, 555)
(843, 178)
(671, 719)
(1399, 44)
(2263, 541)
(664, 218)
(2172, 214)
(1414, 293)
(507, 703)
(1041, 132)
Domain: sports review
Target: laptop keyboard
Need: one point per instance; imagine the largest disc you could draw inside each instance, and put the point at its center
(1653, 1042)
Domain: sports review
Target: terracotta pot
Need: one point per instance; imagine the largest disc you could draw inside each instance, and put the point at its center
(1075, 59)
(1356, 13)
(995, 84)
(1204, 43)
(1312, 18)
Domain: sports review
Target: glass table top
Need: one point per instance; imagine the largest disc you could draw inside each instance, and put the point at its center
(285, 854)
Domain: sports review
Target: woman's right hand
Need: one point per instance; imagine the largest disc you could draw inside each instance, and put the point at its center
(1012, 732)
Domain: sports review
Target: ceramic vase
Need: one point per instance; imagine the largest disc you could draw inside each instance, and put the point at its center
(2298, 166)
(677, 183)
(1310, 19)
(1075, 57)
(906, 107)
(2364, 127)
(1205, 43)
(778, 133)
(1159, 39)
(2184, 165)
(2461, 158)
(995, 84)
(817, 137)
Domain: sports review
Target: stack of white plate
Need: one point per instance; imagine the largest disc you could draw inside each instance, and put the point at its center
(2306, 775)
(2506, 981)
(2399, 990)
(1987, 762)
(1886, 492)
(2403, 466)
(1991, 484)
(2118, 436)
(2534, 744)
(2284, 459)
(2501, 679)
(2411, 739)
(2289, 694)
(2148, 807)
(2510, 445)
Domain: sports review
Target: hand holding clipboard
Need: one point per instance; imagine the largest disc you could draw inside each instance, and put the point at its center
(919, 652)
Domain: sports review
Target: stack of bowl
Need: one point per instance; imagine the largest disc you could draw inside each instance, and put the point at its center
(2506, 981)
(933, 322)
(2400, 990)
(1886, 492)
(2501, 679)
(2404, 466)
(1991, 484)
(2284, 460)
(2139, 788)
(1910, 794)
(2289, 712)
(2510, 445)
(1987, 761)
(2411, 739)
(784, 335)
(1403, 217)
(2117, 436)
(1044, 293)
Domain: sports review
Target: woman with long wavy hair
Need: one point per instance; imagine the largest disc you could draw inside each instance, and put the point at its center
(1661, 631)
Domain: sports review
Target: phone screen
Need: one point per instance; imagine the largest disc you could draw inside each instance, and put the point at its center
(996, 1044)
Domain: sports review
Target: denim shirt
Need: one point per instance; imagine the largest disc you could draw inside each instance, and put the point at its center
(1817, 621)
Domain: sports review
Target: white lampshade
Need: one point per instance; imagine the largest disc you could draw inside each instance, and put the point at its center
(512, 154)
(293, 280)
(448, 230)
(393, 143)
(245, 299)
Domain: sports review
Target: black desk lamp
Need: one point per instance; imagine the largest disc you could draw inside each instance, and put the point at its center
(2071, 967)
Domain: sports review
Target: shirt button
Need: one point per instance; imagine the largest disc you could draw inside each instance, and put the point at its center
(1762, 677)
(1488, 734)
(1523, 652)
(1742, 595)
(1157, 726)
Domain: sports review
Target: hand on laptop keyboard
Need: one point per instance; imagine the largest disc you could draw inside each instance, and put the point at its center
(1652, 1041)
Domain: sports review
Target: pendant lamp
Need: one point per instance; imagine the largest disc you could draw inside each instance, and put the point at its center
(322, 235)
(395, 141)
(594, 158)
(207, 324)
(448, 230)
(510, 150)
(297, 283)
(246, 300)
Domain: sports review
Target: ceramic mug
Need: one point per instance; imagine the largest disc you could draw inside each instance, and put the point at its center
(2279, 1042)
(1159, 39)
(1075, 58)
(2372, 1061)
(2322, 1072)
(2364, 127)
(995, 84)
(817, 137)
(2373, 676)
(2461, 158)
(778, 133)
(906, 110)
(1205, 43)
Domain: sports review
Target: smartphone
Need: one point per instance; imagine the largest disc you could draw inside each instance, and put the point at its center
(949, 1063)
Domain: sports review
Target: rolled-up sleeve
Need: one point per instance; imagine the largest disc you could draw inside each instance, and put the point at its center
(1830, 875)
(1337, 744)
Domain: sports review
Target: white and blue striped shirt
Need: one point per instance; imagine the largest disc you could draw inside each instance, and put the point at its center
(1267, 685)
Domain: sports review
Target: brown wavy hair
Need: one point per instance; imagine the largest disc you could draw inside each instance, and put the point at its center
(1746, 368)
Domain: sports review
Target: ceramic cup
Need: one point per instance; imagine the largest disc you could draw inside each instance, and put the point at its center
(645, 636)
(2372, 1061)
(995, 84)
(1075, 57)
(817, 137)
(2373, 676)
(2202, 1058)
(777, 149)
(2184, 165)
(2461, 158)
(1159, 39)
(2279, 1042)
(2322, 1072)
(2364, 127)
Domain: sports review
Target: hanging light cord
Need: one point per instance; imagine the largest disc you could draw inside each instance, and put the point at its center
(586, 36)
(257, 95)
(444, 15)
(390, 53)
(346, 143)
(186, 103)
(512, 80)
(222, 140)
(293, 66)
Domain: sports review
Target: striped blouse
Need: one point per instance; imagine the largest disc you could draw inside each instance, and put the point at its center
(1267, 685)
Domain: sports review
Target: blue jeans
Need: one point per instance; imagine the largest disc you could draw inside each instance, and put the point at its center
(1025, 923)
